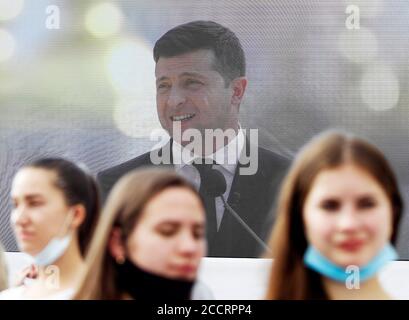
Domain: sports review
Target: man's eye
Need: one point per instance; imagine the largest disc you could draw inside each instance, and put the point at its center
(163, 86)
(193, 82)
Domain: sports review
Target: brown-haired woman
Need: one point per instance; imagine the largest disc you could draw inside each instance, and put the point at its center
(55, 210)
(149, 242)
(338, 210)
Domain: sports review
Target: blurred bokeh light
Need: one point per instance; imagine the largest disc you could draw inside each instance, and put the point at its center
(9, 9)
(380, 88)
(103, 19)
(7, 45)
(131, 70)
(359, 46)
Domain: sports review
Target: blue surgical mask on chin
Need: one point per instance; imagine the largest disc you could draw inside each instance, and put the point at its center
(314, 260)
(54, 249)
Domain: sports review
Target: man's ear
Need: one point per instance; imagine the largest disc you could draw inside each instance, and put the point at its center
(238, 86)
(115, 245)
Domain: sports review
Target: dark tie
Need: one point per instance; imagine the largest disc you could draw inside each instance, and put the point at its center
(210, 206)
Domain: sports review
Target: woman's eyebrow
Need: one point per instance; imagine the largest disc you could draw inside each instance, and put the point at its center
(33, 196)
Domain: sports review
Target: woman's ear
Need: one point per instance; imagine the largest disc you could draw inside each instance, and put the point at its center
(115, 245)
(79, 214)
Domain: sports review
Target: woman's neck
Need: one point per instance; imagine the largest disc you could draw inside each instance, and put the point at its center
(61, 275)
(368, 290)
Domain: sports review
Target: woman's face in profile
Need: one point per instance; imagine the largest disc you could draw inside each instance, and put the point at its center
(347, 215)
(39, 209)
(169, 239)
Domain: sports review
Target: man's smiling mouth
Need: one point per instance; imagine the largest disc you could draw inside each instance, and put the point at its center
(183, 117)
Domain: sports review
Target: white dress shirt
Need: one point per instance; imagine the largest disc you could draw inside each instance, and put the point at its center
(226, 159)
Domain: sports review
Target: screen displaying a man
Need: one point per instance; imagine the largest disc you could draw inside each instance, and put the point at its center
(200, 83)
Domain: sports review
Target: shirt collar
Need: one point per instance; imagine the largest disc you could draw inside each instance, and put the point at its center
(227, 157)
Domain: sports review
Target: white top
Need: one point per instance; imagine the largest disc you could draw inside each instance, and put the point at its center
(226, 159)
(221, 276)
(18, 293)
(201, 291)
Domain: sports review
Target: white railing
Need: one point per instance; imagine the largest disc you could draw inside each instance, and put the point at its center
(247, 278)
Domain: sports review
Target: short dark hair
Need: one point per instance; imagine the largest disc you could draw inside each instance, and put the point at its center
(230, 60)
(78, 187)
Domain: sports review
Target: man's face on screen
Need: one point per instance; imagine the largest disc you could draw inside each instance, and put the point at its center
(189, 91)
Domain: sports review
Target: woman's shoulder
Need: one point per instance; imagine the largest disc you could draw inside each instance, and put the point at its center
(201, 291)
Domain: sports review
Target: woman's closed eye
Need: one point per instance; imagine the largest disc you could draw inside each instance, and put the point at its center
(330, 205)
(366, 203)
(35, 202)
(199, 232)
(167, 230)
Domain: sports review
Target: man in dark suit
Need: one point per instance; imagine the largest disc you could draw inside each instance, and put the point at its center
(200, 81)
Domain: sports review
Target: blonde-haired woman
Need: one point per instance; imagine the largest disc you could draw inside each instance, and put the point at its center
(338, 216)
(149, 242)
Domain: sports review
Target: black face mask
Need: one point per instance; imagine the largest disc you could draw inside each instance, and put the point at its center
(143, 285)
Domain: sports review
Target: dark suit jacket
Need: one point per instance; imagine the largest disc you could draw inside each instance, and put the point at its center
(251, 196)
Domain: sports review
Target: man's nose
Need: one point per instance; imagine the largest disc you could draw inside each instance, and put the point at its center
(176, 98)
